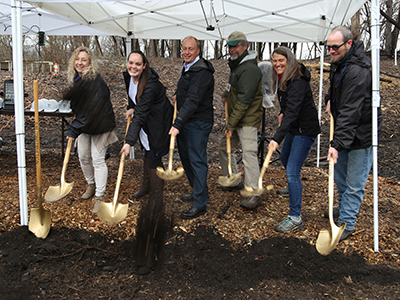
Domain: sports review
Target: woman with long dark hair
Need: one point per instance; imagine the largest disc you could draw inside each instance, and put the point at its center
(152, 118)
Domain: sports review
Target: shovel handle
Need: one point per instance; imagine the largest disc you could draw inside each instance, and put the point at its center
(128, 123)
(331, 176)
(119, 178)
(66, 158)
(265, 166)
(37, 144)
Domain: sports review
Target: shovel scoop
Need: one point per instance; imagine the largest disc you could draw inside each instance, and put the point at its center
(248, 191)
(171, 174)
(232, 177)
(40, 218)
(112, 213)
(328, 239)
(57, 192)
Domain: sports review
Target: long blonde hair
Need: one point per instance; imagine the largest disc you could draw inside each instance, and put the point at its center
(89, 73)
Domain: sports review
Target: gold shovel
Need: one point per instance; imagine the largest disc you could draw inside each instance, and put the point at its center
(40, 220)
(248, 191)
(231, 178)
(170, 174)
(328, 239)
(55, 193)
(112, 213)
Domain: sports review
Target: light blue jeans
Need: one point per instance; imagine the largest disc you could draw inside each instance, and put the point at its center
(294, 152)
(351, 174)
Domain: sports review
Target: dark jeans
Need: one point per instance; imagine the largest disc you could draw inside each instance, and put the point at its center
(192, 145)
(294, 152)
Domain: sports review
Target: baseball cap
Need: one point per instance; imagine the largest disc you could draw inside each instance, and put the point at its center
(235, 37)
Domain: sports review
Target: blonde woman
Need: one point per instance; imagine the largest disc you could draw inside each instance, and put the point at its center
(94, 121)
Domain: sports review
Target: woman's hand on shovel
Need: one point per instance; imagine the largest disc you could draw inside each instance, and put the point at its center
(173, 129)
(126, 148)
(273, 144)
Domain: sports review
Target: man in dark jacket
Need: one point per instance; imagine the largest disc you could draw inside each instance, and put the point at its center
(194, 122)
(244, 96)
(349, 101)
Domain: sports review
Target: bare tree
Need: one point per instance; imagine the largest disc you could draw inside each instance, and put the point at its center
(176, 49)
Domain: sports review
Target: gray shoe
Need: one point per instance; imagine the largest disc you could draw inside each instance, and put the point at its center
(89, 191)
(288, 225)
(345, 234)
(97, 201)
(336, 213)
(284, 192)
(236, 186)
(251, 202)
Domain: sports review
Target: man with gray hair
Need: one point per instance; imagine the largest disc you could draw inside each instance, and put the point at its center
(244, 97)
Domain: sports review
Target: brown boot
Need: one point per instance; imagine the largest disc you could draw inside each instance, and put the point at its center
(89, 191)
(150, 226)
(145, 188)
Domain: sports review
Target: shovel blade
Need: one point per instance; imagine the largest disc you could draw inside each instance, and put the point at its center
(170, 175)
(248, 192)
(328, 239)
(230, 179)
(55, 193)
(39, 222)
(111, 215)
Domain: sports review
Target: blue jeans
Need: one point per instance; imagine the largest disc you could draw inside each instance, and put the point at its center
(294, 152)
(351, 174)
(192, 145)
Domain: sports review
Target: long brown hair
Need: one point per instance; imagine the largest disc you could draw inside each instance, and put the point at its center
(144, 75)
(293, 68)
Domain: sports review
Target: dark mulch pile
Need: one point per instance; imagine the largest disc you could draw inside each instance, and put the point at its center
(227, 253)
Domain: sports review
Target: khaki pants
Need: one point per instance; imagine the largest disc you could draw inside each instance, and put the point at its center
(247, 137)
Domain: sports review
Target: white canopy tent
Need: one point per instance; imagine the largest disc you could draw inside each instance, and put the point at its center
(260, 20)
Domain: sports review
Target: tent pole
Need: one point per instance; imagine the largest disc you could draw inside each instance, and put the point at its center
(16, 7)
(375, 59)
(321, 81)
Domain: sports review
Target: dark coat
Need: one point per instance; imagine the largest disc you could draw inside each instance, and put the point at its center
(91, 104)
(195, 94)
(300, 115)
(351, 100)
(153, 113)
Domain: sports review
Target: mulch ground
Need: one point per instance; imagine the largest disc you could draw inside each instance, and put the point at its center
(228, 253)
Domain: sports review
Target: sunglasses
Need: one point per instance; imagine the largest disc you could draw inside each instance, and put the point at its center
(335, 47)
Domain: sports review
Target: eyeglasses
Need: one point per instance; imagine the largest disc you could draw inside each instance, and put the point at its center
(335, 47)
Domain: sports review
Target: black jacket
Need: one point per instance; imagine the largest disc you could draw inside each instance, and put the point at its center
(91, 104)
(153, 113)
(195, 94)
(351, 97)
(300, 116)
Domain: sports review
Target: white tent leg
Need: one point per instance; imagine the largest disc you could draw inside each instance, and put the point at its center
(321, 81)
(16, 7)
(375, 59)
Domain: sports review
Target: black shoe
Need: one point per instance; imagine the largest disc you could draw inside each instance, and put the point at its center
(188, 198)
(238, 187)
(192, 213)
(251, 202)
(336, 213)
(345, 234)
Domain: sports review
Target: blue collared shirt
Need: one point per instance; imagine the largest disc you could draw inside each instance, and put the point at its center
(187, 66)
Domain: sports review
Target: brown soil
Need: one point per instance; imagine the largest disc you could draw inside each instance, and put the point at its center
(228, 253)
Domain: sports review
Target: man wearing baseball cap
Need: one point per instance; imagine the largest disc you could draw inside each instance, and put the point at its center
(244, 96)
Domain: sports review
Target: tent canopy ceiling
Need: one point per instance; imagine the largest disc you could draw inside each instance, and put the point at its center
(35, 20)
(260, 20)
